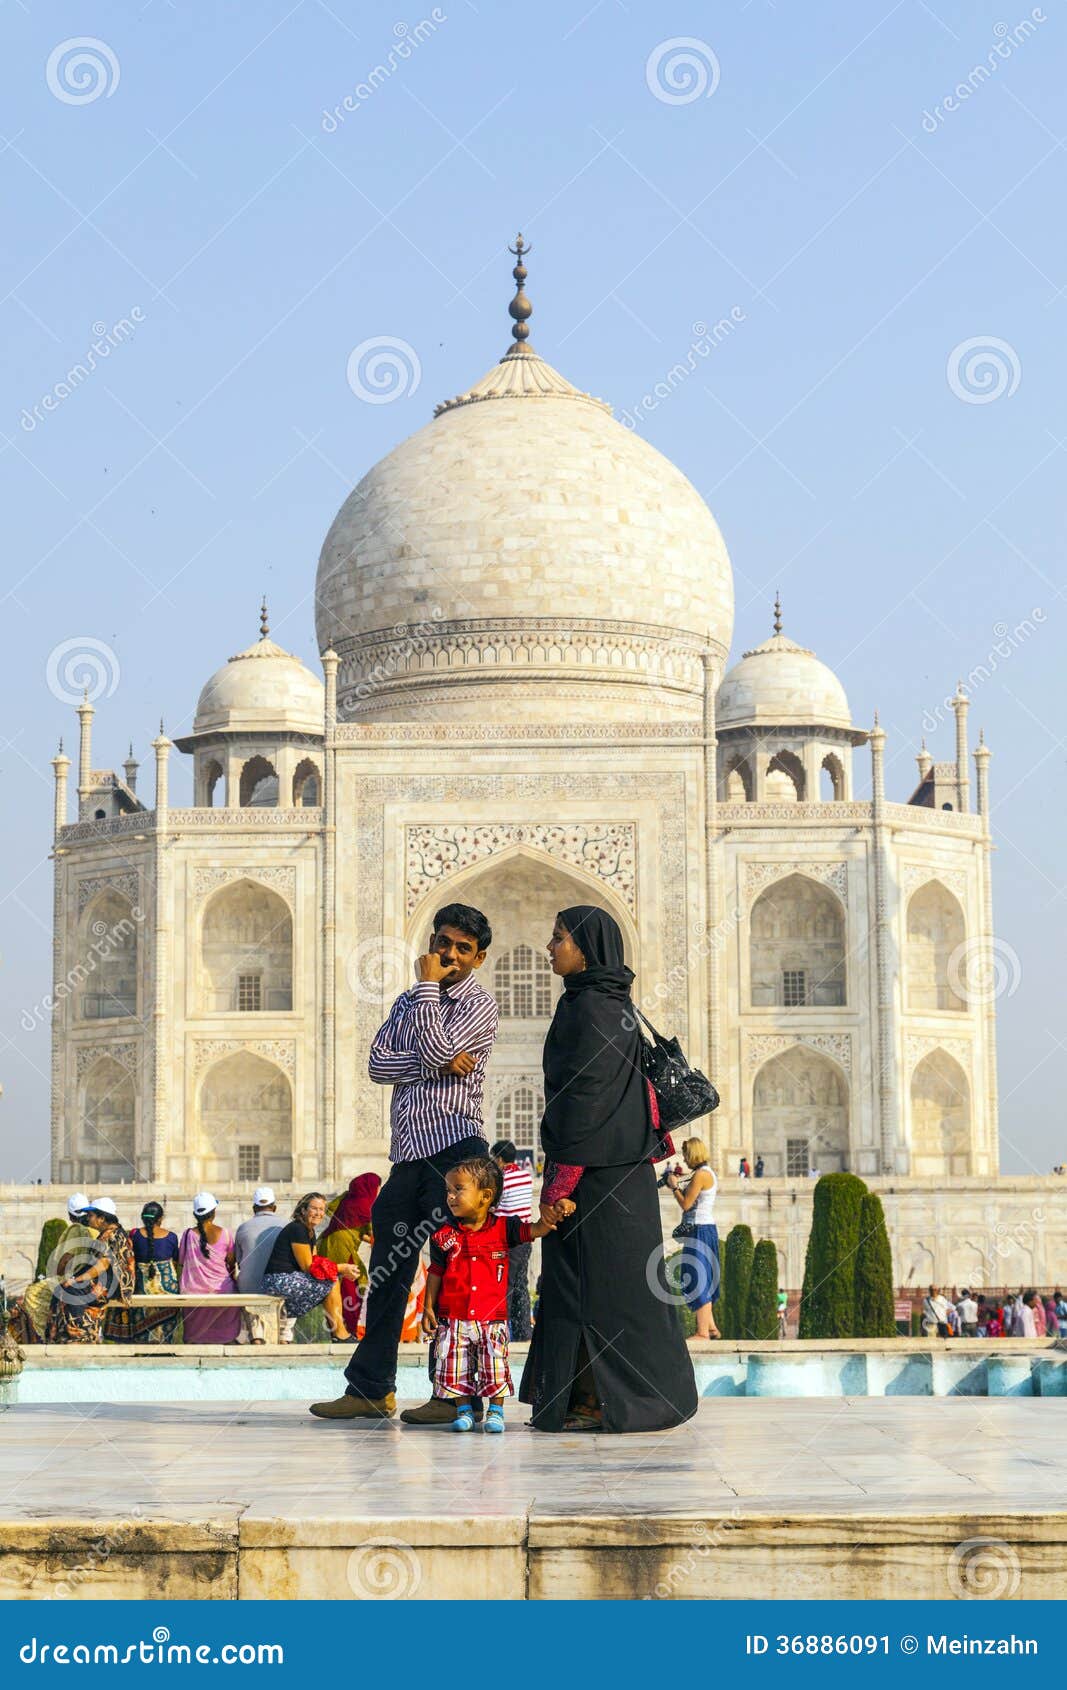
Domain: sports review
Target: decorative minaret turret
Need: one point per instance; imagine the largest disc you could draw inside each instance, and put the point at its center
(981, 770)
(61, 766)
(881, 942)
(85, 749)
(131, 766)
(520, 309)
(330, 665)
(925, 762)
(161, 746)
(992, 1133)
(960, 705)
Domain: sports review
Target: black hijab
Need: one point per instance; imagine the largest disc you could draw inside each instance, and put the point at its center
(596, 1101)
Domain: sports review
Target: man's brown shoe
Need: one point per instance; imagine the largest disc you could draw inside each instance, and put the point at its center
(356, 1408)
(439, 1411)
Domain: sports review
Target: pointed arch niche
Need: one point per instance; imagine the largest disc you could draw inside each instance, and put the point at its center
(935, 930)
(940, 1116)
(244, 1120)
(797, 946)
(800, 1114)
(108, 1122)
(246, 951)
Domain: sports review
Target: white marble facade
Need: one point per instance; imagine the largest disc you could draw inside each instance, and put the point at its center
(525, 614)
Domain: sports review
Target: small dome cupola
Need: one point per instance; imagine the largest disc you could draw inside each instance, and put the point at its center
(258, 730)
(784, 726)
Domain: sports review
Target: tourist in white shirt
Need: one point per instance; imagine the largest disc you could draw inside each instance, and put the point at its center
(967, 1309)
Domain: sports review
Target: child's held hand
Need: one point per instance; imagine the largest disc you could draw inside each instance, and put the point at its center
(429, 1323)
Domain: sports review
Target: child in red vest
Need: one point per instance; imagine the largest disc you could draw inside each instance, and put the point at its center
(466, 1309)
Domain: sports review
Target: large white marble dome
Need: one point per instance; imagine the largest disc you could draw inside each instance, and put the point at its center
(524, 555)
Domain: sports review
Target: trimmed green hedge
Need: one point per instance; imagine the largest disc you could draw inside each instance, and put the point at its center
(874, 1274)
(761, 1308)
(828, 1306)
(736, 1271)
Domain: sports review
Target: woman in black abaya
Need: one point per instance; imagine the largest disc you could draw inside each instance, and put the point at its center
(607, 1353)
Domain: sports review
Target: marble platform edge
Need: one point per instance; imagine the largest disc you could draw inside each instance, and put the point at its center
(296, 1355)
(752, 1529)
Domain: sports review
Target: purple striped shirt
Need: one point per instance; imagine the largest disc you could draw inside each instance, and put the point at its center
(427, 1027)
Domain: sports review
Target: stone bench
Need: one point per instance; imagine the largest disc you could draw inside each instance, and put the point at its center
(268, 1309)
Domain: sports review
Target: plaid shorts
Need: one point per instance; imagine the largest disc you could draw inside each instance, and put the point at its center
(471, 1359)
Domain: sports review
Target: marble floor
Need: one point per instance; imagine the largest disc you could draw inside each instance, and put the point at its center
(826, 1496)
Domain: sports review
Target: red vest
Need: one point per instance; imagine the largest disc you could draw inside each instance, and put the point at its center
(475, 1281)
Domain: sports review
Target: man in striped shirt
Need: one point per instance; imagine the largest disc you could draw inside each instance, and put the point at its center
(433, 1051)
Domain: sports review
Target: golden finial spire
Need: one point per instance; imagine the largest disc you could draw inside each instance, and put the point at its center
(777, 613)
(520, 308)
(264, 621)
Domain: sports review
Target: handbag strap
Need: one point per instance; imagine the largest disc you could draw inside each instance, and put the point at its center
(657, 1036)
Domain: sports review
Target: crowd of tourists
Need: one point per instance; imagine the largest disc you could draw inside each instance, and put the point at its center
(970, 1314)
(316, 1258)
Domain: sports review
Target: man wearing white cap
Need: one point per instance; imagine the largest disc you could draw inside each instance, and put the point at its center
(252, 1246)
(29, 1316)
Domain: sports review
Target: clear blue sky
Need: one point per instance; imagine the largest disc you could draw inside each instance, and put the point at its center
(818, 183)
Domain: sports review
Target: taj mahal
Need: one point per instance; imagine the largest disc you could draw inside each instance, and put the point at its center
(527, 700)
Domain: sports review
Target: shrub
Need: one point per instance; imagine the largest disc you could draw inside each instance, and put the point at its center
(874, 1274)
(828, 1309)
(51, 1233)
(761, 1307)
(736, 1271)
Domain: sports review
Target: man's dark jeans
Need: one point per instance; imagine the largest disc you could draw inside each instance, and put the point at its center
(407, 1210)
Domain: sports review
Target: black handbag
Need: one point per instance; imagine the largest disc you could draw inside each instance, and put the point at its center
(683, 1094)
(685, 1229)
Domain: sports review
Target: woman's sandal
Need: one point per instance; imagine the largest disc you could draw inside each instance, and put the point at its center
(464, 1421)
(580, 1421)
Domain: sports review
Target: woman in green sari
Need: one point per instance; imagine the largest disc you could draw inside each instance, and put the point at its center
(28, 1317)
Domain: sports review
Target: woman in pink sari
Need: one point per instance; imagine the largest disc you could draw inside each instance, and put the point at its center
(207, 1264)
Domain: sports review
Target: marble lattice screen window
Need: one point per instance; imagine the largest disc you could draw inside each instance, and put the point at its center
(517, 1116)
(522, 982)
(250, 992)
(796, 1158)
(248, 1161)
(794, 988)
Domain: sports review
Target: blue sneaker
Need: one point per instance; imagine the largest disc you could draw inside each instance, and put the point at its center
(494, 1418)
(464, 1421)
